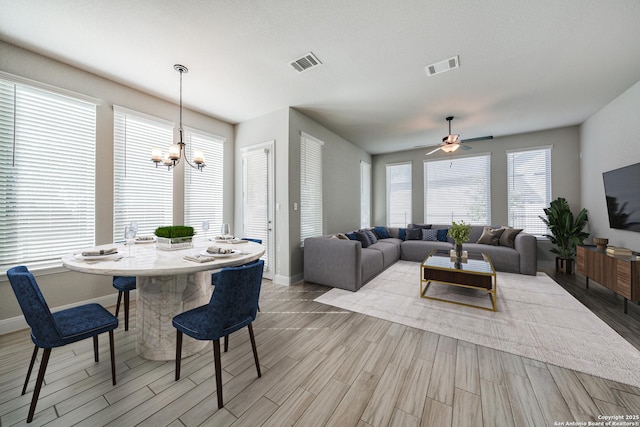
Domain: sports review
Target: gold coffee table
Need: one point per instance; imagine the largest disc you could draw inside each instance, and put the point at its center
(476, 272)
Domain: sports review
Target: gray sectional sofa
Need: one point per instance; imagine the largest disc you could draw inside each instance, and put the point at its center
(345, 264)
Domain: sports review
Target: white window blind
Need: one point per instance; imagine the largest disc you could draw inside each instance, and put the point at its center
(310, 186)
(399, 194)
(528, 188)
(203, 190)
(365, 194)
(458, 189)
(47, 175)
(141, 192)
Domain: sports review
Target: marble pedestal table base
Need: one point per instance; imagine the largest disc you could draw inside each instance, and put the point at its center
(160, 298)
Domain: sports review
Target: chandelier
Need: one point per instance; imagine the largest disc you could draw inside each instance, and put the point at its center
(177, 151)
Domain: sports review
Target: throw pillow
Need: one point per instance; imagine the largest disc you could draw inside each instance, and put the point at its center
(402, 234)
(422, 226)
(430, 235)
(342, 236)
(508, 237)
(371, 235)
(381, 232)
(351, 236)
(414, 234)
(442, 234)
(363, 238)
(490, 236)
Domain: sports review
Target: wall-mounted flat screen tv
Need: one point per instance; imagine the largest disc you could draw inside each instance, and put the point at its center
(622, 190)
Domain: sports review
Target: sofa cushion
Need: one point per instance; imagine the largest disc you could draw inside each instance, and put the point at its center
(371, 235)
(390, 252)
(490, 236)
(414, 234)
(430, 235)
(503, 258)
(381, 232)
(363, 238)
(442, 234)
(372, 264)
(417, 250)
(508, 237)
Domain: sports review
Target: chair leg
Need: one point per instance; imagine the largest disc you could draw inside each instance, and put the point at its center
(178, 353)
(218, 364)
(39, 381)
(255, 351)
(126, 310)
(118, 303)
(226, 343)
(33, 361)
(113, 358)
(95, 348)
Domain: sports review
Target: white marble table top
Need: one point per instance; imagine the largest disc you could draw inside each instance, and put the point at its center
(148, 260)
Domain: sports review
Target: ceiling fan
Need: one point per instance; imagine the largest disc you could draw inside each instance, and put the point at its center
(451, 142)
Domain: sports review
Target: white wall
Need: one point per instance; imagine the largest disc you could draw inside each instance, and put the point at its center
(69, 287)
(610, 139)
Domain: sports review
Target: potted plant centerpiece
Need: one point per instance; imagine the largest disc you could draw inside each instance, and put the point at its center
(174, 237)
(460, 233)
(566, 232)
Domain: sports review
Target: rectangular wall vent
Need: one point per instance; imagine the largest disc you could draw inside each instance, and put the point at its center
(442, 66)
(306, 62)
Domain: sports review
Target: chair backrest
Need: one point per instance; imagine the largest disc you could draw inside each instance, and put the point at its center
(250, 239)
(34, 307)
(235, 297)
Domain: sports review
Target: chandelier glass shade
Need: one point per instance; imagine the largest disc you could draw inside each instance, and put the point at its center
(176, 151)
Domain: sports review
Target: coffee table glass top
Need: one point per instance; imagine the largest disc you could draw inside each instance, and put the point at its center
(475, 263)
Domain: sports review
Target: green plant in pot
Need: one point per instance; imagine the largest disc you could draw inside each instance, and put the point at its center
(174, 236)
(460, 233)
(566, 232)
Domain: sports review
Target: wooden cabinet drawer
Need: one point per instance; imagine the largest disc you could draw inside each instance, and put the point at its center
(623, 282)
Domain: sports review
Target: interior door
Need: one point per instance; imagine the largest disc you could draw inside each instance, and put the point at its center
(257, 199)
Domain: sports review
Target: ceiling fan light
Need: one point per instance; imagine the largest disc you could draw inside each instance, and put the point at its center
(450, 148)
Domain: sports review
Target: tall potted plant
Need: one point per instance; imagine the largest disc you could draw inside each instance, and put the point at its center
(566, 232)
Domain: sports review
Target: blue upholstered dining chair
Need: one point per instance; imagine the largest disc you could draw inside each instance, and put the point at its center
(215, 276)
(49, 330)
(124, 285)
(233, 305)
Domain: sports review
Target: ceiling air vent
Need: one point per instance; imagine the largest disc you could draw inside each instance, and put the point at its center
(442, 66)
(306, 62)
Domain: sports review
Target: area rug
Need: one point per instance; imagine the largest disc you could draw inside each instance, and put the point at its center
(536, 318)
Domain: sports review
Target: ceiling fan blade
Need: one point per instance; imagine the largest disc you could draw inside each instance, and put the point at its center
(465, 147)
(481, 138)
(432, 151)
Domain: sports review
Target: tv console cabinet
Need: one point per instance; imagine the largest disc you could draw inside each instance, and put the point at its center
(619, 273)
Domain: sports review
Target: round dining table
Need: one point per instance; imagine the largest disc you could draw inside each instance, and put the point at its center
(167, 284)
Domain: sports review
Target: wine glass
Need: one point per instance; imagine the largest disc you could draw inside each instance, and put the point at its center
(205, 228)
(129, 236)
(225, 231)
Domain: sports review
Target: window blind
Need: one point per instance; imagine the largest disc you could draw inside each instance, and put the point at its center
(142, 192)
(458, 189)
(255, 191)
(310, 186)
(399, 194)
(365, 194)
(203, 190)
(528, 188)
(47, 175)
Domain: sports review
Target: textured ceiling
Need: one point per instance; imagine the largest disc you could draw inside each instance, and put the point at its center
(525, 65)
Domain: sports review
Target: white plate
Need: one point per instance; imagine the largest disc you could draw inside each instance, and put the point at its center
(140, 241)
(235, 252)
(97, 257)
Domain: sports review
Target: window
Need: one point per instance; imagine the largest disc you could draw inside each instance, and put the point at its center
(528, 188)
(203, 190)
(47, 175)
(310, 186)
(458, 189)
(399, 194)
(142, 192)
(365, 195)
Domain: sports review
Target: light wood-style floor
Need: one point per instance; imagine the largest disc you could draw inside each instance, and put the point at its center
(321, 366)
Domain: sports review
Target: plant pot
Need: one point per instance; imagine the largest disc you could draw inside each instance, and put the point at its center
(459, 252)
(175, 243)
(565, 265)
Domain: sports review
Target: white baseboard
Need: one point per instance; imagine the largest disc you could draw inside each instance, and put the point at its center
(287, 280)
(17, 323)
